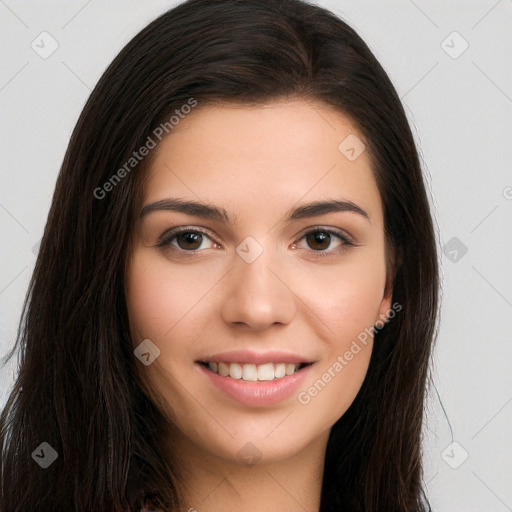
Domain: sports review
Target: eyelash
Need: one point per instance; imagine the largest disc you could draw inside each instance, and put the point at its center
(165, 241)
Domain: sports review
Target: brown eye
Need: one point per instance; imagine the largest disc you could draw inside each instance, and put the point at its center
(189, 240)
(324, 242)
(318, 240)
(186, 240)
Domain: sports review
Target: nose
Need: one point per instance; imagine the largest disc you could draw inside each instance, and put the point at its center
(257, 295)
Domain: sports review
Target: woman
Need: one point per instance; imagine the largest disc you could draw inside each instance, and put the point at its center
(235, 298)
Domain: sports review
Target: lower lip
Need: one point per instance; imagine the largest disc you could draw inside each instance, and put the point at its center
(259, 393)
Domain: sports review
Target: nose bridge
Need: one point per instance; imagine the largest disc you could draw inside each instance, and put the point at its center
(256, 296)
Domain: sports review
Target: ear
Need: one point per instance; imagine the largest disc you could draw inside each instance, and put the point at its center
(384, 309)
(393, 261)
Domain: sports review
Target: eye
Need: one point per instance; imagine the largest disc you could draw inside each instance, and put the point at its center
(321, 241)
(325, 241)
(186, 239)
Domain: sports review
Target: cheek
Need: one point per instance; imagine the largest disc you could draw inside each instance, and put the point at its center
(146, 297)
(354, 305)
(347, 297)
(346, 304)
(159, 297)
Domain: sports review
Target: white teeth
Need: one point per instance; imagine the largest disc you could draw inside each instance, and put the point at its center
(279, 370)
(253, 372)
(235, 371)
(249, 372)
(290, 368)
(223, 369)
(266, 371)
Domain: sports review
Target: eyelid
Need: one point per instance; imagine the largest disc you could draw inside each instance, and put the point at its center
(168, 235)
(343, 235)
(345, 238)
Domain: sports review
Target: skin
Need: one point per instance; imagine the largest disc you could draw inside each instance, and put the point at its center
(257, 163)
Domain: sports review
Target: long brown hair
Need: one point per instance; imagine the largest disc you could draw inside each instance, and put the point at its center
(78, 388)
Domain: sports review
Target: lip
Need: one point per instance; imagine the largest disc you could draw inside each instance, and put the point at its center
(261, 393)
(250, 357)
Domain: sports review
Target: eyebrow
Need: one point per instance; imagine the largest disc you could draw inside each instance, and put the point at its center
(208, 211)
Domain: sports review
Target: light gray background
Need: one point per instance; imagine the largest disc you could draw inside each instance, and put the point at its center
(461, 112)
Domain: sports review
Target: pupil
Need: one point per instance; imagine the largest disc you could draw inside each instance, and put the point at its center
(189, 240)
(319, 240)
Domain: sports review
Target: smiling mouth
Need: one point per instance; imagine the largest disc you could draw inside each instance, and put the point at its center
(254, 372)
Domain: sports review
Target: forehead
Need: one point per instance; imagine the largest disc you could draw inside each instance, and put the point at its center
(263, 157)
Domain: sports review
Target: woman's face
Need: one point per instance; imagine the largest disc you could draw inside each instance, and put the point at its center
(276, 277)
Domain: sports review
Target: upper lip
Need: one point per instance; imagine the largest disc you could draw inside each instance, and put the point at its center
(250, 357)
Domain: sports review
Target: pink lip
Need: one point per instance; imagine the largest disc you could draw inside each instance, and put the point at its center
(261, 393)
(249, 357)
